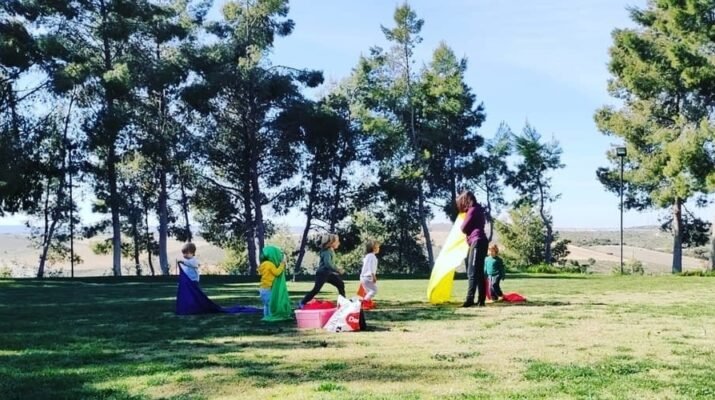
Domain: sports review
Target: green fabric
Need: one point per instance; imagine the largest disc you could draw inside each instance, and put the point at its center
(326, 260)
(272, 254)
(280, 300)
(494, 266)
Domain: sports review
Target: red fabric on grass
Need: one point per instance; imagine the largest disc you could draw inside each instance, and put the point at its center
(319, 305)
(514, 298)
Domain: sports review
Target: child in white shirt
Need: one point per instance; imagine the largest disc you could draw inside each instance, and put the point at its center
(189, 264)
(368, 276)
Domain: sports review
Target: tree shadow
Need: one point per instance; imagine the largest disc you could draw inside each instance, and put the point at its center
(532, 303)
(392, 311)
(69, 340)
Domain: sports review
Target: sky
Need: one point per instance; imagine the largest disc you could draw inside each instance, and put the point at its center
(541, 61)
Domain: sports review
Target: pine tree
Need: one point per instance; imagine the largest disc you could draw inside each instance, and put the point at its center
(663, 74)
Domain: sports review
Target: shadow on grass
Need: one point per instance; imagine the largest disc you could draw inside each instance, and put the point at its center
(520, 275)
(535, 303)
(391, 311)
(56, 385)
(68, 340)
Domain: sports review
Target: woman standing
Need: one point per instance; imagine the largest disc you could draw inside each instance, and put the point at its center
(473, 227)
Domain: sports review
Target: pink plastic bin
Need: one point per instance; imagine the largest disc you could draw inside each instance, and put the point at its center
(313, 319)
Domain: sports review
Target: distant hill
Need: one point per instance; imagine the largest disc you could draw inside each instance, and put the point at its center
(14, 229)
(646, 244)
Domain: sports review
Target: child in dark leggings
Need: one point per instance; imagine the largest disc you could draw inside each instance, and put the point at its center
(327, 271)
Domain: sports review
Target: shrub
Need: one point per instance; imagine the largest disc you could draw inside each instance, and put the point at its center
(635, 267)
(5, 272)
(235, 262)
(523, 238)
(630, 267)
(574, 268)
(698, 273)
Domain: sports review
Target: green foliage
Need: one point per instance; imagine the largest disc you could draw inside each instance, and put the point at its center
(422, 128)
(560, 251)
(536, 159)
(532, 181)
(541, 268)
(101, 247)
(491, 171)
(630, 267)
(660, 70)
(331, 142)
(240, 101)
(452, 116)
(523, 238)
(20, 178)
(694, 231)
(236, 261)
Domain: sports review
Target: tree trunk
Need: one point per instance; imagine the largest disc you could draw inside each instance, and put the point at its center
(677, 237)
(337, 196)
(163, 186)
(253, 151)
(185, 211)
(163, 222)
(304, 238)
(147, 233)
(420, 189)
(548, 237)
(451, 208)
(400, 257)
(308, 221)
(250, 231)
(49, 230)
(116, 225)
(425, 228)
(258, 206)
(712, 245)
(111, 133)
(489, 208)
(45, 251)
(137, 242)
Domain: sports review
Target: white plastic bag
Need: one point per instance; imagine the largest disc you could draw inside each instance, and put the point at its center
(346, 317)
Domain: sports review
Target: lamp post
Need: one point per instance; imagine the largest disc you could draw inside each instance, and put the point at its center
(621, 153)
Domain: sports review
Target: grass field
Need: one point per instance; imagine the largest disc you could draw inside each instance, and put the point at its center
(585, 337)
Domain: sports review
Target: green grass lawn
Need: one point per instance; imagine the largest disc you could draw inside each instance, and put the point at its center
(589, 337)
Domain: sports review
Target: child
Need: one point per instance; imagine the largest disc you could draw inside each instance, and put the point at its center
(189, 264)
(368, 278)
(494, 268)
(473, 228)
(327, 271)
(272, 265)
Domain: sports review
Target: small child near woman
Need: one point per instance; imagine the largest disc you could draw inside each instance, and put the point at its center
(495, 270)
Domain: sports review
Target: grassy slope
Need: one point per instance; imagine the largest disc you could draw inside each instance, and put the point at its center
(579, 337)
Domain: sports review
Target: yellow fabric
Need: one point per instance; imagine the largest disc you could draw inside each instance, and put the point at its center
(453, 253)
(268, 272)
